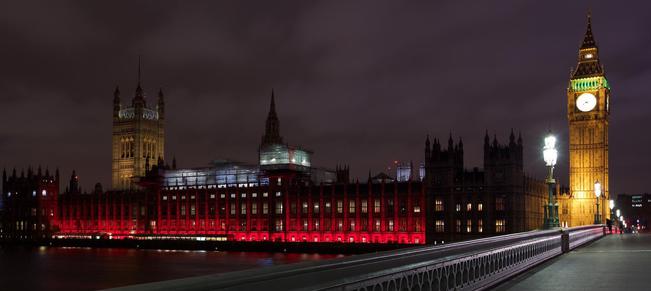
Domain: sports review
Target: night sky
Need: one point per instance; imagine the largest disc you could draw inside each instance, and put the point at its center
(357, 82)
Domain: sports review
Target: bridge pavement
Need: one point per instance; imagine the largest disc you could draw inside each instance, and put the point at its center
(615, 262)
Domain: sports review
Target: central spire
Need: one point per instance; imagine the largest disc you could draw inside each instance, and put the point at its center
(588, 61)
(272, 128)
(139, 92)
(588, 39)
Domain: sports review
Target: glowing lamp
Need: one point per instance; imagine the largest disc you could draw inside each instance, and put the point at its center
(618, 213)
(550, 154)
(597, 189)
(611, 204)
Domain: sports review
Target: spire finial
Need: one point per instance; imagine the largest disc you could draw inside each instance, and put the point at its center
(272, 106)
(139, 69)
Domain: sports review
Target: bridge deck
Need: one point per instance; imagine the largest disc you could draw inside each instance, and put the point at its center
(615, 262)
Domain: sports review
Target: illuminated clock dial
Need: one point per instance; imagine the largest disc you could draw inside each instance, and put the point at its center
(586, 102)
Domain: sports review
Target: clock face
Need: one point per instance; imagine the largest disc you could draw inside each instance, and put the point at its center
(586, 102)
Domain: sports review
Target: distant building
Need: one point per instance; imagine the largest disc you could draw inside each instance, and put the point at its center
(636, 208)
(30, 205)
(285, 198)
(465, 204)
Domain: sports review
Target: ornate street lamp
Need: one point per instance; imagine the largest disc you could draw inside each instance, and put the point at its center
(550, 155)
(597, 193)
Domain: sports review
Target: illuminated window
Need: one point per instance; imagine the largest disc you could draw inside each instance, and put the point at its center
(377, 225)
(417, 225)
(351, 206)
(254, 195)
(340, 206)
(469, 207)
(458, 225)
(278, 194)
(440, 226)
(340, 224)
(376, 207)
(480, 225)
(499, 203)
(328, 209)
(233, 209)
(364, 206)
(589, 56)
(352, 225)
(390, 225)
(34, 193)
(438, 204)
(279, 224)
(165, 198)
(182, 209)
(193, 210)
(212, 196)
(279, 208)
(458, 207)
(316, 208)
(416, 209)
(265, 208)
(243, 208)
(265, 194)
(304, 224)
(280, 181)
(500, 225)
(480, 207)
(316, 225)
(468, 225)
(304, 208)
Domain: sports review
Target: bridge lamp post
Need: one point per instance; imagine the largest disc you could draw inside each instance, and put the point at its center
(611, 205)
(550, 155)
(597, 193)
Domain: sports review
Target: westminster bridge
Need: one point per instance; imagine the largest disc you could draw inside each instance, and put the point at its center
(580, 258)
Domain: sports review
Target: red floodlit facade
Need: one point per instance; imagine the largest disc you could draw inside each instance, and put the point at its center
(288, 211)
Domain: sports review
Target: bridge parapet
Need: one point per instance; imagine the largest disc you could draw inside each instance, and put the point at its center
(469, 265)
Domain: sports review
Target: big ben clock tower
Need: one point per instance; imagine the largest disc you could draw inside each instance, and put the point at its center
(588, 108)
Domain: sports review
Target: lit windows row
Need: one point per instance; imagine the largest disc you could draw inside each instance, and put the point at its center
(500, 226)
(499, 205)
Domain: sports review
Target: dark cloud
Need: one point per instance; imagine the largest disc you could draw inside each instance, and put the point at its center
(359, 82)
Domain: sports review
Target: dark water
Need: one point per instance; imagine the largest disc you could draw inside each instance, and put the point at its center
(56, 268)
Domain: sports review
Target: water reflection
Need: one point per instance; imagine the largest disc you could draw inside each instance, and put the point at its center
(74, 268)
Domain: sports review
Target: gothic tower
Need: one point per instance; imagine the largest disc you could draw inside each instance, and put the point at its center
(138, 136)
(588, 108)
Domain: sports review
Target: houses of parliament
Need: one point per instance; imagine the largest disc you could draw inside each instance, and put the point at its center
(284, 197)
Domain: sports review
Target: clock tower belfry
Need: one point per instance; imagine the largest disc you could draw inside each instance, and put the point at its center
(588, 109)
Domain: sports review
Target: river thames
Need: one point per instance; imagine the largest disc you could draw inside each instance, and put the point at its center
(60, 268)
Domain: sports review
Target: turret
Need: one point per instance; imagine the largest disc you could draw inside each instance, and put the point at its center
(512, 139)
(74, 183)
(428, 149)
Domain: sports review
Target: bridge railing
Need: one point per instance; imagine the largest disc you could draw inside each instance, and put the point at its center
(469, 265)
